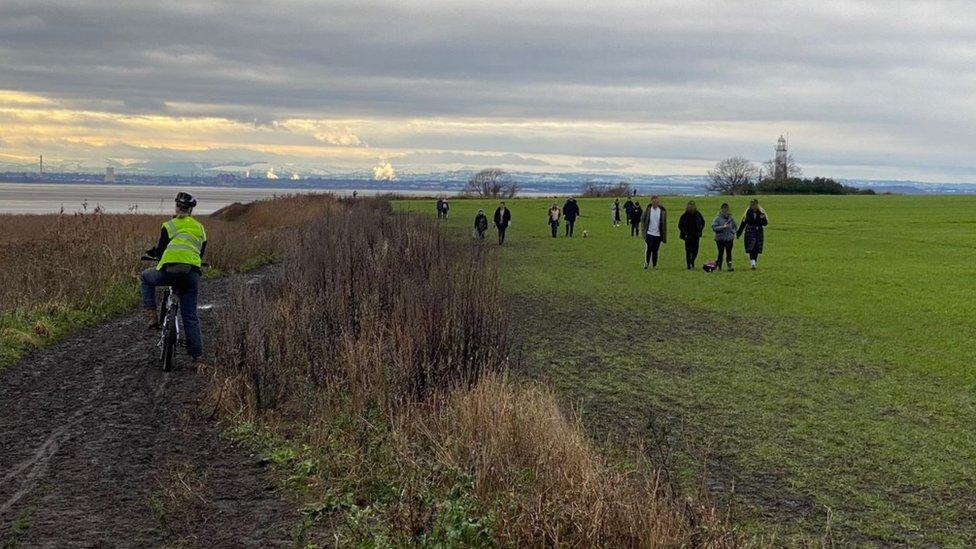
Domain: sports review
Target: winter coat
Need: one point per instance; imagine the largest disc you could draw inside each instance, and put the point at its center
(571, 210)
(752, 225)
(691, 225)
(502, 220)
(481, 223)
(635, 214)
(722, 232)
(663, 228)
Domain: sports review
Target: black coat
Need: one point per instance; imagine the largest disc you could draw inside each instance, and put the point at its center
(481, 222)
(691, 225)
(571, 210)
(636, 212)
(752, 225)
(502, 220)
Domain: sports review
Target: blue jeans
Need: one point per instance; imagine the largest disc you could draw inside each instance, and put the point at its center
(186, 286)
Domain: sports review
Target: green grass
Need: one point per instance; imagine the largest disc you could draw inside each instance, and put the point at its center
(833, 387)
(24, 330)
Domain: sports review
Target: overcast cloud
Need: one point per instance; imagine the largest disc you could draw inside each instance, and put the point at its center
(865, 89)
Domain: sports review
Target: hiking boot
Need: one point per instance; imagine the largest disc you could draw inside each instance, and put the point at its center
(152, 318)
(201, 365)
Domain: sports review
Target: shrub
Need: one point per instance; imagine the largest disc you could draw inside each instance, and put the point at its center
(378, 354)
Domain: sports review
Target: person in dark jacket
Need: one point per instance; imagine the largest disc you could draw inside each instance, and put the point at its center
(724, 228)
(615, 212)
(691, 225)
(654, 227)
(554, 219)
(480, 224)
(503, 218)
(635, 216)
(445, 207)
(628, 209)
(440, 208)
(571, 211)
(753, 223)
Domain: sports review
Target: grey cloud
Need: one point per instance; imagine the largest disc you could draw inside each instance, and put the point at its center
(467, 158)
(896, 68)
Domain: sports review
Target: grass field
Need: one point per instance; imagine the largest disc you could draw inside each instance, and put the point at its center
(829, 393)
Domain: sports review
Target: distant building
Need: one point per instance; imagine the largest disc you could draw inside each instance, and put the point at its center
(110, 175)
(226, 178)
(781, 164)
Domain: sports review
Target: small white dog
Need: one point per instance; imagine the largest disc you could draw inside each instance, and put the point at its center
(586, 233)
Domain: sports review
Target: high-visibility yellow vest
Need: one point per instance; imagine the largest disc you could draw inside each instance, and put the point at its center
(186, 238)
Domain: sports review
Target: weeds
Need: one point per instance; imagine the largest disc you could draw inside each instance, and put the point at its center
(371, 374)
(63, 271)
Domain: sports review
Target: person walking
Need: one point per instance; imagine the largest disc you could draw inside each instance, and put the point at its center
(691, 225)
(571, 211)
(554, 219)
(615, 212)
(445, 207)
(628, 210)
(440, 208)
(753, 225)
(480, 224)
(635, 216)
(503, 218)
(654, 227)
(724, 228)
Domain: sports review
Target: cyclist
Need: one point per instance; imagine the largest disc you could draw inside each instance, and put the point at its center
(182, 242)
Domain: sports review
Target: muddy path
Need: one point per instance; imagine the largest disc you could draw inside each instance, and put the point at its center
(99, 447)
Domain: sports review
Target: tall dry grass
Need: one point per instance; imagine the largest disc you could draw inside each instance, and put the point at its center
(379, 351)
(71, 258)
(60, 271)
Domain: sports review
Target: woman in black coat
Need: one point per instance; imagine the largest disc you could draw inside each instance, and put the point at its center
(753, 223)
(636, 212)
(691, 225)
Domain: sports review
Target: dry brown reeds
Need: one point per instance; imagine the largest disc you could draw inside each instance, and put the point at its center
(380, 349)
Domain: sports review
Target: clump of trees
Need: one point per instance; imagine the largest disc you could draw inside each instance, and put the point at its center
(817, 185)
(492, 183)
(733, 176)
(737, 176)
(592, 189)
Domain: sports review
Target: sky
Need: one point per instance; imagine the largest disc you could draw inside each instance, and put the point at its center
(874, 90)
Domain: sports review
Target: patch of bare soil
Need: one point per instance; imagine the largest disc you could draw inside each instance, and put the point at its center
(99, 447)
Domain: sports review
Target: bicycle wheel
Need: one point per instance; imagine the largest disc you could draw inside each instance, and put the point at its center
(161, 309)
(169, 344)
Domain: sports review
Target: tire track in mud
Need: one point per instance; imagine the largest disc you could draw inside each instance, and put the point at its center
(90, 426)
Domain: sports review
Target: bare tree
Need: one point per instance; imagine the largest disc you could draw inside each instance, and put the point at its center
(733, 176)
(792, 168)
(591, 189)
(493, 183)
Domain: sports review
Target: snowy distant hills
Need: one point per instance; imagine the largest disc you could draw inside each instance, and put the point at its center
(453, 181)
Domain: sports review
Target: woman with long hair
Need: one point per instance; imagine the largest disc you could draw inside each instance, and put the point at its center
(554, 219)
(753, 223)
(724, 228)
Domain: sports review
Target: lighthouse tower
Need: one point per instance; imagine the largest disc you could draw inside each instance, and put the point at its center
(780, 170)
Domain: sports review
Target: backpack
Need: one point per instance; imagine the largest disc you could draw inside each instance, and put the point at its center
(710, 266)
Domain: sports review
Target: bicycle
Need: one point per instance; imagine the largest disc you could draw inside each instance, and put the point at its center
(170, 323)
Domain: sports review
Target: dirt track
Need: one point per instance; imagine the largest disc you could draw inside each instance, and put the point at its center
(98, 447)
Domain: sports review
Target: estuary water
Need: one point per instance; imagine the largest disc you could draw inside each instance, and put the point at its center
(41, 198)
